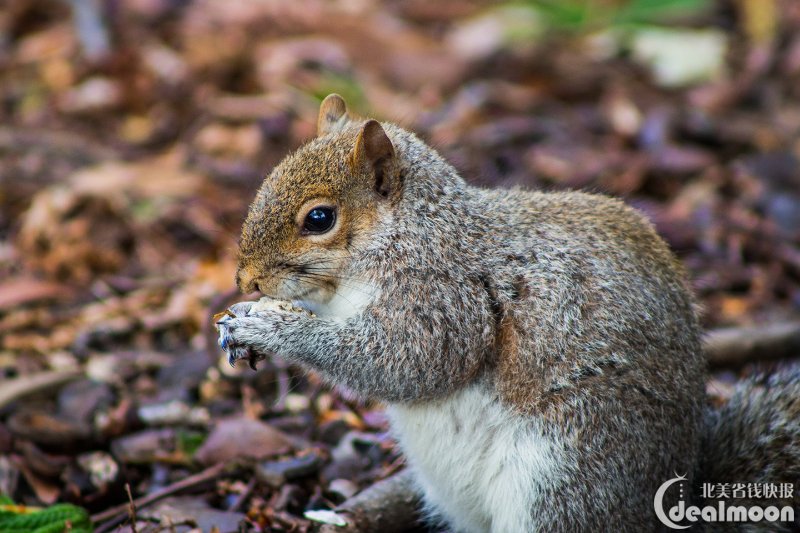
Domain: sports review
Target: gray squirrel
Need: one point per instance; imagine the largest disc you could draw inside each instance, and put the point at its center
(539, 353)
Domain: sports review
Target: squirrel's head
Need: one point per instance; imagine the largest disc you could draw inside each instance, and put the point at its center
(316, 207)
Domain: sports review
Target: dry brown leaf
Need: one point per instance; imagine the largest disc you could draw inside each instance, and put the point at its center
(240, 438)
(70, 235)
(21, 291)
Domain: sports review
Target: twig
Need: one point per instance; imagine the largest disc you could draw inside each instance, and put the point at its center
(131, 508)
(733, 347)
(388, 506)
(246, 493)
(393, 468)
(111, 517)
(17, 388)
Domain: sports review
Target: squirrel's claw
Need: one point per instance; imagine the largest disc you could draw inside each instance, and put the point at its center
(234, 352)
(226, 324)
(224, 340)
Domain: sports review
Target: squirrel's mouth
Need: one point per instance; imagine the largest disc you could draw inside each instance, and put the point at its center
(303, 299)
(307, 291)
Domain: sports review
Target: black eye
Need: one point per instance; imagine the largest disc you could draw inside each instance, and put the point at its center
(319, 220)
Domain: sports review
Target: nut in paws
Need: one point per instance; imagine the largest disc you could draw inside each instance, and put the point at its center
(226, 323)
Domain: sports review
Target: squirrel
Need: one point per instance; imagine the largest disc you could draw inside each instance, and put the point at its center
(539, 353)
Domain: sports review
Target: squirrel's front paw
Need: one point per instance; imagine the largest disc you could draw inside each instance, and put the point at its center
(231, 342)
(246, 329)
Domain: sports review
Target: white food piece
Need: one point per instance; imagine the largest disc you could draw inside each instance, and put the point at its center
(269, 304)
(326, 517)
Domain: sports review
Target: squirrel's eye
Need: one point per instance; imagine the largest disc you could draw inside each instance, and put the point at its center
(319, 220)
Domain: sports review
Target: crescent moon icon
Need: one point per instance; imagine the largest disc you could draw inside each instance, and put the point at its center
(658, 503)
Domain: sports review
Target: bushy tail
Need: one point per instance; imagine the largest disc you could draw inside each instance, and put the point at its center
(755, 439)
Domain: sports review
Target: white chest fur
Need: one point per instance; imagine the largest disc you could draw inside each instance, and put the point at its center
(479, 465)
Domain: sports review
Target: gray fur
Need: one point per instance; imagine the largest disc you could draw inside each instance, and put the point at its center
(566, 308)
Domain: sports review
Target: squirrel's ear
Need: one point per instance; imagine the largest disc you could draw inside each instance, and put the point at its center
(332, 114)
(374, 151)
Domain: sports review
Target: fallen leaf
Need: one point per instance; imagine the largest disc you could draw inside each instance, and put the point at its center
(22, 291)
(242, 437)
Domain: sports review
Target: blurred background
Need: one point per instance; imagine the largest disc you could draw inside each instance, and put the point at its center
(134, 133)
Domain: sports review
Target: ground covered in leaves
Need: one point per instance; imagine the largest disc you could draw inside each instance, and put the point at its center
(132, 139)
